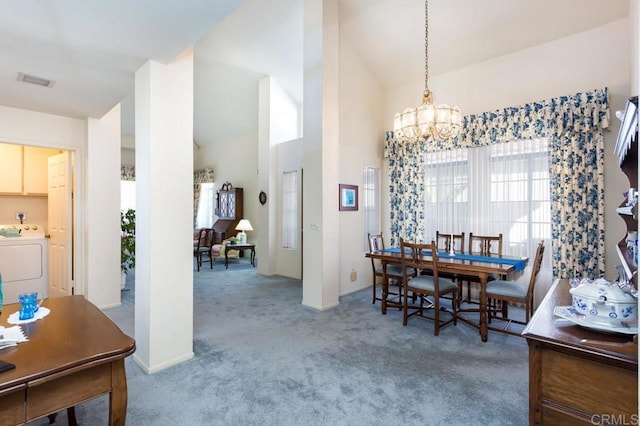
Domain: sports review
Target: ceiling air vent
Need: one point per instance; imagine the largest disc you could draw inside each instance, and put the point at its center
(35, 80)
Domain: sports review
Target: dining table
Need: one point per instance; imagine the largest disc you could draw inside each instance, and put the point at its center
(73, 354)
(464, 264)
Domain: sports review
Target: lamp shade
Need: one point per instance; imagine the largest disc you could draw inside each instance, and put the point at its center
(244, 225)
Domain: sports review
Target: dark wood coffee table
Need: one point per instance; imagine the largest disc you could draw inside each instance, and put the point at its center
(74, 354)
(240, 247)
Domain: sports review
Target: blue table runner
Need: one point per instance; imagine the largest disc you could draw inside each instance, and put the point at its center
(519, 264)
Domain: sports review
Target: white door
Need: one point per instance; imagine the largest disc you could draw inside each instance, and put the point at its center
(60, 230)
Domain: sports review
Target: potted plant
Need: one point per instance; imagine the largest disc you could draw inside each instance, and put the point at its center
(127, 242)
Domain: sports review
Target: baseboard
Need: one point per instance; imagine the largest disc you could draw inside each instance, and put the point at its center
(155, 369)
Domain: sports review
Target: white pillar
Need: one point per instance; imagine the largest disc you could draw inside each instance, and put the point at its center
(164, 214)
(103, 207)
(320, 287)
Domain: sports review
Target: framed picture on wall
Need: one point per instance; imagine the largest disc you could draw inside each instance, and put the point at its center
(348, 196)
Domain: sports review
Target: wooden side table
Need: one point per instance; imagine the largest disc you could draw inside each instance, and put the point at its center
(240, 247)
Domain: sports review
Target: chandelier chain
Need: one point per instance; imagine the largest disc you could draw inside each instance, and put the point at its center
(426, 46)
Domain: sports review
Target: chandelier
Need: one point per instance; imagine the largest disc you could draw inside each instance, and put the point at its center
(427, 121)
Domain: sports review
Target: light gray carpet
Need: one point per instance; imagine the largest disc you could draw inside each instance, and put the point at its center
(261, 358)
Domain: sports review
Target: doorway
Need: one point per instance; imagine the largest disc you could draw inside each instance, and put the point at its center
(27, 203)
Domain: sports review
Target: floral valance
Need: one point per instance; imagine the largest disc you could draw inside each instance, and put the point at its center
(199, 176)
(579, 113)
(127, 172)
(203, 176)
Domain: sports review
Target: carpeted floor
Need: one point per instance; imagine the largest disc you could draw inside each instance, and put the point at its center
(261, 358)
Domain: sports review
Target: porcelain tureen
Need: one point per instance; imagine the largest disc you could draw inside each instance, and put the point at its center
(603, 300)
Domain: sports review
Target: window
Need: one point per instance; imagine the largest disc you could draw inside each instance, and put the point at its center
(204, 217)
(371, 203)
(127, 195)
(501, 188)
(290, 210)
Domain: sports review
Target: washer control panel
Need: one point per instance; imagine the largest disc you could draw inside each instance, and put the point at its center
(27, 229)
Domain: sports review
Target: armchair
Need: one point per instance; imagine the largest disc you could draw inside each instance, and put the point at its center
(217, 251)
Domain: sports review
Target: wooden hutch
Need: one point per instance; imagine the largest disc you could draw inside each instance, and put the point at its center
(578, 375)
(229, 209)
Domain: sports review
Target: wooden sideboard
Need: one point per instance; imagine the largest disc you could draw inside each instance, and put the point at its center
(577, 375)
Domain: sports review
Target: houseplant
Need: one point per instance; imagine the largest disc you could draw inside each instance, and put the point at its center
(127, 242)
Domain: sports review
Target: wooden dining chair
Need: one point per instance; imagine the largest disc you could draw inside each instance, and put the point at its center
(483, 245)
(444, 241)
(202, 247)
(423, 285)
(507, 292)
(394, 272)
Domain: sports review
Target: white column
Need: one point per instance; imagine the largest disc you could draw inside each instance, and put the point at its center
(164, 214)
(103, 209)
(320, 133)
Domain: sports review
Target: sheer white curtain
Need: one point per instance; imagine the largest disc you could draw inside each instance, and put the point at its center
(502, 188)
(446, 193)
(520, 202)
(371, 203)
(204, 217)
(290, 210)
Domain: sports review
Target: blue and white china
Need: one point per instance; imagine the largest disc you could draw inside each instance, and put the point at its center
(602, 301)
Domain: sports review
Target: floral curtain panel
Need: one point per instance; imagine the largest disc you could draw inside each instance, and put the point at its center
(200, 176)
(574, 126)
(406, 188)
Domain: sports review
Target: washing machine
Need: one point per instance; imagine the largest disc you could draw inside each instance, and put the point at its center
(23, 261)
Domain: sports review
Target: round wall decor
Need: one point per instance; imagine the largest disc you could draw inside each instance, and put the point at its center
(262, 197)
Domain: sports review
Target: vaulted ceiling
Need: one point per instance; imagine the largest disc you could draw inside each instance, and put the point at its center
(92, 48)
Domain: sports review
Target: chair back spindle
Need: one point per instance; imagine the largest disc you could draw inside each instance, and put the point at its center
(444, 242)
(485, 245)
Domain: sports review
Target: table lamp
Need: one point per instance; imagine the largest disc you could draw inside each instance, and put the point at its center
(243, 225)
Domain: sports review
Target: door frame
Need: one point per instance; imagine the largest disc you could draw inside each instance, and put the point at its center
(78, 202)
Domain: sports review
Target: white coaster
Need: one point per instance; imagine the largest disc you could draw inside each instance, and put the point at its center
(14, 318)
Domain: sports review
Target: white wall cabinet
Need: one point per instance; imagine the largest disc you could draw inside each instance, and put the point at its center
(10, 169)
(24, 169)
(36, 169)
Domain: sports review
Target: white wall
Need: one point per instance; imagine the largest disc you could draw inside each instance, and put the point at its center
(361, 143)
(128, 153)
(235, 160)
(36, 209)
(52, 131)
(38, 129)
(581, 62)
